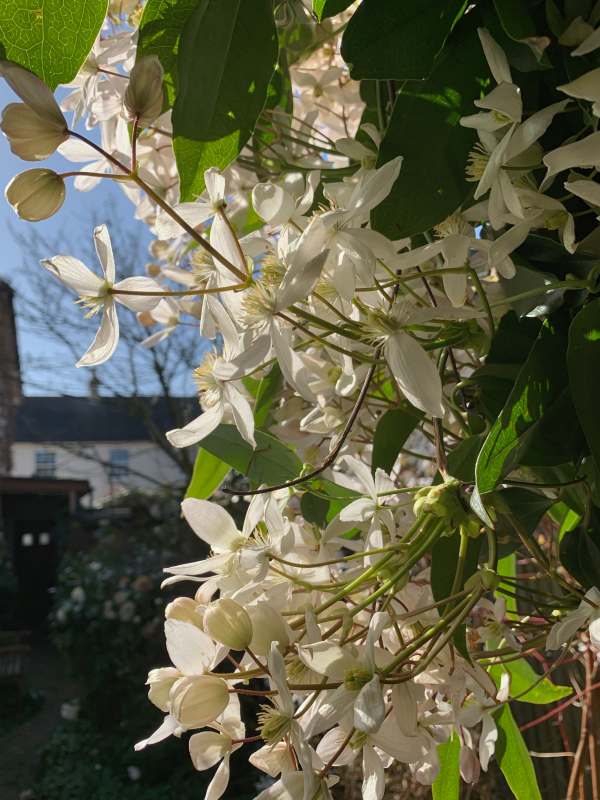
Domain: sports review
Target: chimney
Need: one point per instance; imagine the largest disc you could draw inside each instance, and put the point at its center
(10, 376)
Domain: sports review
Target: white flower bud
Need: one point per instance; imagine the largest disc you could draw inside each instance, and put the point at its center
(228, 622)
(30, 136)
(267, 626)
(160, 682)
(197, 700)
(185, 609)
(36, 194)
(144, 95)
(34, 93)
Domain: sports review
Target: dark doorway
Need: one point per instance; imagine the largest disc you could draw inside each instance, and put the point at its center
(35, 561)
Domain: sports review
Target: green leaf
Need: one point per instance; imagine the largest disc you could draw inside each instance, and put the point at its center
(515, 19)
(209, 473)
(583, 362)
(270, 463)
(425, 129)
(463, 457)
(160, 31)
(580, 551)
(390, 39)
(393, 429)
(513, 757)
(227, 55)
(444, 558)
(329, 8)
(538, 385)
(50, 37)
(447, 783)
(507, 568)
(525, 684)
(268, 389)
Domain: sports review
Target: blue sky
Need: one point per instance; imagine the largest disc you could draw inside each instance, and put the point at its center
(47, 369)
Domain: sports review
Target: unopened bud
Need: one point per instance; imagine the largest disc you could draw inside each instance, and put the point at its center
(144, 95)
(228, 622)
(185, 609)
(197, 700)
(485, 578)
(153, 270)
(267, 626)
(36, 194)
(160, 682)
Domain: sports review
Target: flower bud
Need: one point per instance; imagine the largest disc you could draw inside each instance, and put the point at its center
(227, 622)
(160, 682)
(36, 194)
(30, 136)
(185, 609)
(144, 95)
(197, 700)
(34, 93)
(267, 626)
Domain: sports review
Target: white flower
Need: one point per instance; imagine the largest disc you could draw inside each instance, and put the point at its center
(100, 293)
(587, 613)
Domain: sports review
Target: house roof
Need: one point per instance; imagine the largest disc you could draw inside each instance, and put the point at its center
(101, 419)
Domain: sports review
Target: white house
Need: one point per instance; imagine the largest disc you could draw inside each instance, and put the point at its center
(99, 439)
(110, 442)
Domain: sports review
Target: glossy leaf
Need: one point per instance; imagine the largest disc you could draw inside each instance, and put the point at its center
(267, 391)
(525, 684)
(50, 37)
(513, 757)
(583, 361)
(270, 463)
(447, 784)
(393, 429)
(209, 473)
(425, 129)
(160, 31)
(538, 385)
(227, 55)
(389, 39)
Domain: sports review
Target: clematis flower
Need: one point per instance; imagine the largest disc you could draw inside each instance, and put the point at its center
(587, 613)
(585, 87)
(581, 153)
(98, 294)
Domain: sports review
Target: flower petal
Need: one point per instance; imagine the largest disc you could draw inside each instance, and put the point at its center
(105, 341)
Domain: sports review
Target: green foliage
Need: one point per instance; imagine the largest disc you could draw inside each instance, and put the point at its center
(267, 392)
(329, 8)
(513, 757)
(209, 473)
(447, 783)
(270, 463)
(160, 34)
(425, 129)
(526, 685)
(386, 39)
(393, 429)
(227, 55)
(580, 551)
(538, 386)
(50, 37)
(515, 19)
(583, 360)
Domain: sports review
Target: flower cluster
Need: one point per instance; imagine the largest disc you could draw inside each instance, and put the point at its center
(335, 621)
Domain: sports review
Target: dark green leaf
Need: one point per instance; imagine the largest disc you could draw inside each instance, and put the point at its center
(270, 463)
(525, 684)
(329, 8)
(538, 385)
(447, 783)
(159, 34)
(425, 129)
(267, 391)
(393, 429)
(390, 39)
(554, 18)
(583, 361)
(513, 757)
(462, 459)
(444, 559)
(50, 37)
(580, 551)
(209, 473)
(227, 55)
(515, 19)
(314, 508)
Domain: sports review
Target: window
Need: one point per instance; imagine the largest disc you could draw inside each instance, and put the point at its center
(118, 466)
(45, 464)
